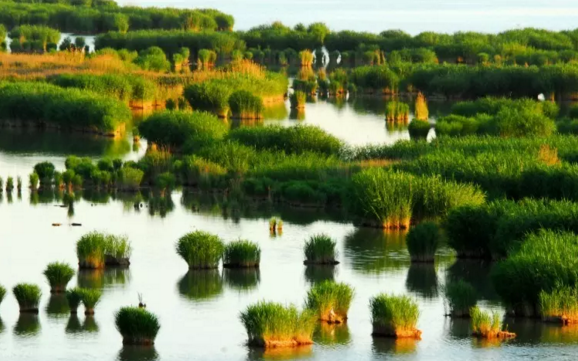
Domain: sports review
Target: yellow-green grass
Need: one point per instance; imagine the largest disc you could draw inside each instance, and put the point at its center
(241, 254)
(486, 325)
(461, 297)
(330, 301)
(73, 296)
(320, 249)
(394, 316)
(560, 305)
(201, 250)
(90, 298)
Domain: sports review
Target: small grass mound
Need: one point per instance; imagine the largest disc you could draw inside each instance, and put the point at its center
(74, 299)
(96, 250)
(397, 112)
(486, 325)
(271, 325)
(242, 254)
(245, 105)
(89, 299)
(137, 326)
(28, 297)
(461, 297)
(423, 241)
(320, 249)
(418, 129)
(394, 316)
(58, 275)
(559, 306)
(201, 250)
(330, 301)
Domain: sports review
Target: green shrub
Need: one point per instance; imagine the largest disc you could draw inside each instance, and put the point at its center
(320, 249)
(153, 59)
(137, 326)
(423, 241)
(210, 97)
(330, 301)
(394, 316)
(201, 250)
(241, 254)
(28, 297)
(130, 179)
(58, 275)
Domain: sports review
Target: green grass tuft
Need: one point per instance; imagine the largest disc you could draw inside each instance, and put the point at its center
(90, 299)
(394, 316)
(137, 326)
(201, 250)
(58, 275)
(330, 301)
(423, 241)
(485, 324)
(561, 303)
(95, 250)
(28, 297)
(73, 296)
(320, 249)
(241, 254)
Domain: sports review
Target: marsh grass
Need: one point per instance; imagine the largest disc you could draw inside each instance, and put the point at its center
(95, 250)
(58, 275)
(320, 249)
(245, 105)
(421, 109)
(486, 325)
(244, 279)
(90, 298)
(298, 99)
(2, 293)
(423, 241)
(28, 297)
(560, 305)
(419, 129)
(461, 297)
(137, 326)
(201, 250)
(74, 298)
(271, 325)
(397, 112)
(241, 254)
(330, 301)
(201, 285)
(394, 316)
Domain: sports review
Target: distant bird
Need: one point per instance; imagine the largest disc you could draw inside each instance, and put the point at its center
(541, 97)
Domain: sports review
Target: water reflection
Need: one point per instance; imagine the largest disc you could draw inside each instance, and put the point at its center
(27, 325)
(476, 273)
(201, 285)
(422, 280)
(326, 334)
(57, 306)
(319, 273)
(388, 347)
(282, 353)
(459, 328)
(297, 114)
(138, 353)
(73, 325)
(160, 205)
(242, 279)
(376, 251)
(90, 325)
(103, 278)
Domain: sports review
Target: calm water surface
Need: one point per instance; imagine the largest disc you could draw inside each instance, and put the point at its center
(199, 311)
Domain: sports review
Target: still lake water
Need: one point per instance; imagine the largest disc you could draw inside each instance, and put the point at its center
(199, 311)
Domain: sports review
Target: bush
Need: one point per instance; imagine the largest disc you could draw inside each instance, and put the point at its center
(394, 316)
(271, 325)
(241, 254)
(201, 250)
(130, 179)
(153, 59)
(423, 241)
(330, 301)
(58, 275)
(137, 326)
(461, 297)
(320, 249)
(28, 297)
(245, 105)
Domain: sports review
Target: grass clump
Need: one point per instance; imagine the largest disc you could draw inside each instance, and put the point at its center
(320, 249)
(28, 297)
(2, 293)
(418, 129)
(423, 241)
(560, 305)
(421, 110)
(397, 112)
(245, 105)
(461, 297)
(58, 275)
(486, 325)
(74, 298)
(201, 250)
(298, 100)
(95, 250)
(271, 325)
(330, 301)
(394, 316)
(241, 254)
(137, 326)
(90, 299)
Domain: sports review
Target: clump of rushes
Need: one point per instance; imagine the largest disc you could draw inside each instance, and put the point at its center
(330, 301)
(306, 57)
(560, 305)
(28, 297)
(33, 180)
(137, 326)
(58, 275)
(95, 250)
(486, 325)
(394, 316)
(422, 242)
(241, 254)
(201, 250)
(397, 112)
(320, 249)
(418, 129)
(117, 251)
(9, 184)
(2, 293)
(421, 110)
(271, 325)
(298, 100)
(275, 225)
(245, 105)
(74, 298)
(90, 299)
(461, 297)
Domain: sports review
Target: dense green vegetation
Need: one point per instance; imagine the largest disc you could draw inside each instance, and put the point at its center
(28, 297)
(201, 250)
(320, 249)
(241, 254)
(423, 241)
(330, 301)
(137, 326)
(58, 275)
(96, 250)
(394, 316)
(74, 299)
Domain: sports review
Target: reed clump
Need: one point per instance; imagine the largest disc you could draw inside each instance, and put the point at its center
(330, 301)
(275, 226)
(320, 249)
(28, 297)
(421, 109)
(90, 298)
(96, 250)
(306, 57)
(245, 105)
(58, 275)
(486, 325)
(423, 241)
(298, 100)
(394, 316)
(137, 326)
(272, 325)
(461, 297)
(242, 254)
(559, 306)
(74, 298)
(201, 250)
(397, 112)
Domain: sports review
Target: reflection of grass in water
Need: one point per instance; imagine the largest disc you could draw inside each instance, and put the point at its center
(138, 353)
(96, 196)
(476, 273)
(338, 102)
(326, 334)
(201, 285)
(73, 325)
(460, 328)
(242, 279)
(158, 205)
(422, 280)
(281, 353)
(535, 332)
(297, 114)
(368, 105)
(486, 342)
(1, 326)
(389, 346)
(99, 279)
(277, 111)
(375, 251)
(396, 126)
(27, 325)
(57, 306)
(319, 273)
(90, 325)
